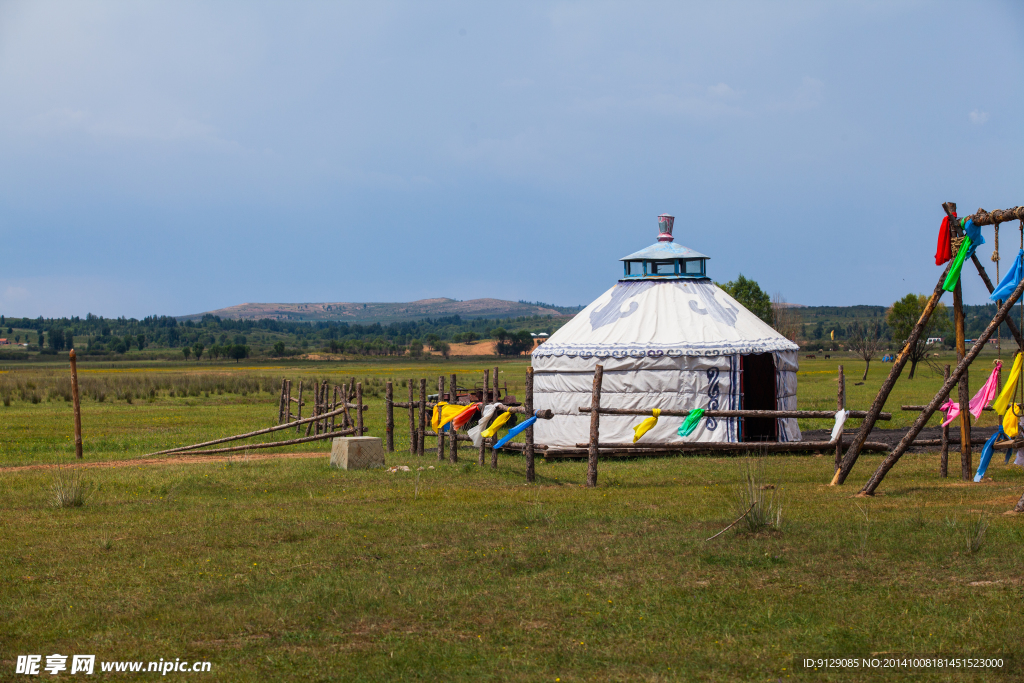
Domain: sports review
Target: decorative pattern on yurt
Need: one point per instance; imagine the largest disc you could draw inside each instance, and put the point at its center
(668, 338)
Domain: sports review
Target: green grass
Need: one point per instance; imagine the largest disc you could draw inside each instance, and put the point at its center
(288, 570)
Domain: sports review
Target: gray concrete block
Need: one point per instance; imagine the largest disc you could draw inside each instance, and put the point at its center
(357, 452)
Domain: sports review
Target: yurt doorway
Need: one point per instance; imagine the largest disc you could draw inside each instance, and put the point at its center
(757, 386)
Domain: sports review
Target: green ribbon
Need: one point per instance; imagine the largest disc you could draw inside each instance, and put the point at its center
(954, 271)
(691, 421)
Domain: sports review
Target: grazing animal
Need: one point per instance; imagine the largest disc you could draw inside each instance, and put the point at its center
(810, 355)
(827, 356)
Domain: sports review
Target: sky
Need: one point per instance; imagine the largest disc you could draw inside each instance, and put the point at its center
(173, 158)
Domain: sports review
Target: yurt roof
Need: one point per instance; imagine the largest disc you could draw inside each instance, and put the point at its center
(658, 317)
(664, 250)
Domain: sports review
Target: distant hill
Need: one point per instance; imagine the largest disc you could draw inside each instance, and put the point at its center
(385, 312)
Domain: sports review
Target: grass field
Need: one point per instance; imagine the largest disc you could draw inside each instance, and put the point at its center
(287, 570)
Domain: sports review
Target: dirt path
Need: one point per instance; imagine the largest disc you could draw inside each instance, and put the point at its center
(169, 460)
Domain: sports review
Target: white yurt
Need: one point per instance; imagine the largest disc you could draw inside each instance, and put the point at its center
(668, 338)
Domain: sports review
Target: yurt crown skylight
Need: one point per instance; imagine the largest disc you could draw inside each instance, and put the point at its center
(665, 260)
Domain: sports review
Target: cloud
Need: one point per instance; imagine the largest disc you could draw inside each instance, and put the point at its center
(978, 117)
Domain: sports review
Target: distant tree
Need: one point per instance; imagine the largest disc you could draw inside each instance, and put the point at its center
(903, 315)
(415, 348)
(140, 341)
(819, 330)
(128, 341)
(866, 341)
(470, 336)
(187, 352)
(238, 352)
(432, 340)
(214, 352)
(279, 348)
(753, 298)
(784, 319)
(240, 339)
(56, 339)
(444, 348)
(197, 349)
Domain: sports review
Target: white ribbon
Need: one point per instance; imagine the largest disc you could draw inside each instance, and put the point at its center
(486, 414)
(841, 416)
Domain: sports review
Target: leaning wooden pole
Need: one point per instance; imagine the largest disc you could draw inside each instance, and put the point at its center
(247, 435)
(894, 373)
(926, 414)
(595, 426)
(77, 403)
(271, 444)
(531, 474)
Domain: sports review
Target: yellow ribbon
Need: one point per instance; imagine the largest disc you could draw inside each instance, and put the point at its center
(1006, 394)
(646, 425)
(492, 428)
(1011, 420)
(443, 414)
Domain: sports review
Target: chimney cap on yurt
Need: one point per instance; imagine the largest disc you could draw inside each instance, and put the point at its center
(665, 260)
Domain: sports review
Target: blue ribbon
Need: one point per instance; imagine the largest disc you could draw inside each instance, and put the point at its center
(986, 455)
(515, 431)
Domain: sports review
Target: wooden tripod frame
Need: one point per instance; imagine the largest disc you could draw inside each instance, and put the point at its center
(959, 376)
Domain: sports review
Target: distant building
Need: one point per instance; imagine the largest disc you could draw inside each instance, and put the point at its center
(4, 342)
(934, 340)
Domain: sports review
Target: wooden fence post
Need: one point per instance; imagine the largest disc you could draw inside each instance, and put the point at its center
(299, 414)
(944, 456)
(288, 402)
(280, 409)
(494, 451)
(334, 406)
(77, 404)
(840, 405)
(453, 394)
(963, 388)
(420, 441)
(389, 417)
(440, 435)
(359, 409)
(595, 426)
(412, 421)
(484, 396)
(531, 474)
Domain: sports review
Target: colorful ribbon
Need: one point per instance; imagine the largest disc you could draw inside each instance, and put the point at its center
(646, 425)
(1003, 401)
(980, 400)
(493, 428)
(1010, 281)
(460, 420)
(691, 421)
(515, 431)
(986, 455)
(958, 263)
